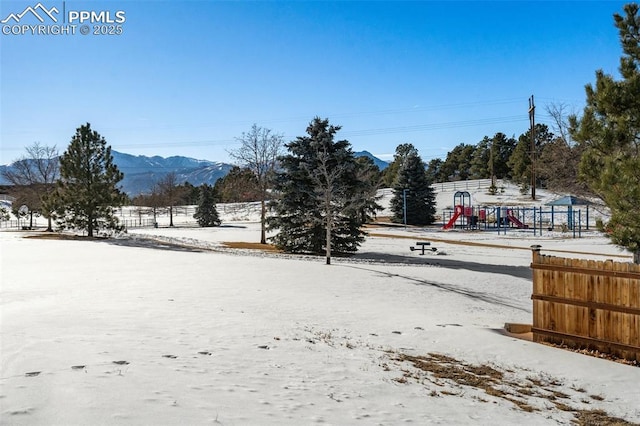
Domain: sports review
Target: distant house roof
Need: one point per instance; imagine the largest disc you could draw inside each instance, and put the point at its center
(569, 200)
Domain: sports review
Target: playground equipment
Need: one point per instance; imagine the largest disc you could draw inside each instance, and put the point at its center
(513, 219)
(456, 214)
(523, 218)
(559, 215)
(470, 218)
(462, 202)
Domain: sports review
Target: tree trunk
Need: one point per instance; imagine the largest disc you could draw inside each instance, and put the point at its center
(329, 224)
(49, 224)
(31, 220)
(328, 243)
(263, 216)
(90, 226)
(170, 215)
(636, 257)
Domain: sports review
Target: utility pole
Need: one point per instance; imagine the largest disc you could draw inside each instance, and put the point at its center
(491, 167)
(404, 207)
(532, 122)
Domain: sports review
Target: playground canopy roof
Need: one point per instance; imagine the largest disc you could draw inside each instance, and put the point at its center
(569, 200)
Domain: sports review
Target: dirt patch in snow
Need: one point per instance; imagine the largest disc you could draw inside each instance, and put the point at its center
(447, 376)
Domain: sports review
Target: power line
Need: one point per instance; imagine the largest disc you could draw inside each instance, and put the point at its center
(213, 123)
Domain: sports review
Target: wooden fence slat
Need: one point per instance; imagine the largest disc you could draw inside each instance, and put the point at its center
(587, 303)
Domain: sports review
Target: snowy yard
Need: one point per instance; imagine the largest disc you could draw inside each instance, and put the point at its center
(166, 326)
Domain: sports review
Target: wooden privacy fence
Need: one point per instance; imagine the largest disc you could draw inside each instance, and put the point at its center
(587, 304)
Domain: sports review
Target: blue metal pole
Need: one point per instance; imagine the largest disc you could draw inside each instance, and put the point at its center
(404, 206)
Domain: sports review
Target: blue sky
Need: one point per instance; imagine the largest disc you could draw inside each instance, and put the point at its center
(188, 77)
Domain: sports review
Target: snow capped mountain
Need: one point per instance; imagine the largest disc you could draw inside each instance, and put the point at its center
(142, 172)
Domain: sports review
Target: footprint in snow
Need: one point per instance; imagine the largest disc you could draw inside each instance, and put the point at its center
(33, 373)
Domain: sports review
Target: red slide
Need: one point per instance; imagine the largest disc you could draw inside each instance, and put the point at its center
(515, 220)
(456, 214)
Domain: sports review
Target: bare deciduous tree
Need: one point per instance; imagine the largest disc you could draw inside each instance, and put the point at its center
(259, 151)
(559, 159)
(33, 176)
(325, 176)
(170, 192)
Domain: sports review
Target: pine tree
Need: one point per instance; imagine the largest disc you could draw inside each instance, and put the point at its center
(369, 181)
(206, 212)
(481, 162)
(413, 194)
(320, 197)
(608, 132)
(518, 165)
(238, 186)
(457, 165)
(87, 192)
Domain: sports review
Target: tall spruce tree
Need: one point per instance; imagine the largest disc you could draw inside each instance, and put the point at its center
(609, 132)
(320, 197)
(206, 212)
(413, 187)
(87, 193)
(369, 181)
(519, 164)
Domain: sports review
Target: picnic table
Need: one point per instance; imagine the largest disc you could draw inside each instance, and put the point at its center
(422, 246)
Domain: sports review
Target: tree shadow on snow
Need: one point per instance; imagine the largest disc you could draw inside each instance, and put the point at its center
(150, 244)
(514, 271)
(124, 242)
(472, 294)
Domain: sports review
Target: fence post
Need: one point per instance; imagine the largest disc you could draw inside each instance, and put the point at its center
(535, 252)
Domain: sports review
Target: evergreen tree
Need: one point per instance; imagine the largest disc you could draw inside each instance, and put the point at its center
(87, 192)
(502, 147)
(457, 165)
(433, 170)
(191, 193)
(369, 180)
(518, 165)
(320, 198)
(391, 172)
(238, 186)
(206, 212)
(608, 131)
(413, 194)
(481, 162)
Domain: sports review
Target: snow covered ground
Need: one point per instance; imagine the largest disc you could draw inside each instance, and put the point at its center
(167, 326)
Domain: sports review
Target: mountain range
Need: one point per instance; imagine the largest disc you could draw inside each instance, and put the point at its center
(141, 172)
